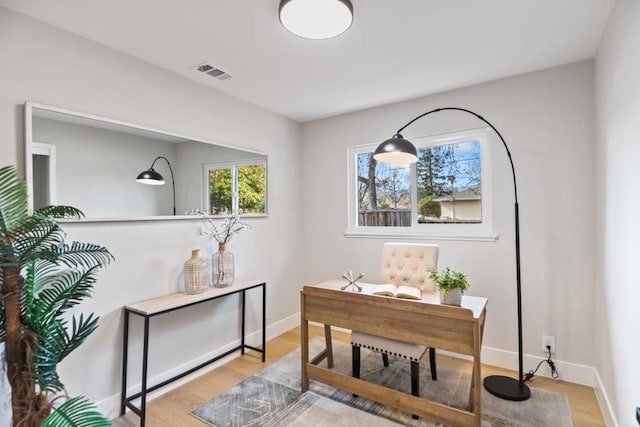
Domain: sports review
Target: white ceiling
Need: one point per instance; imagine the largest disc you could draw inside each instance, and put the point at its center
(395, 49)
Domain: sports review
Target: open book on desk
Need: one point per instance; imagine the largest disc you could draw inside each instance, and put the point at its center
(389, 290)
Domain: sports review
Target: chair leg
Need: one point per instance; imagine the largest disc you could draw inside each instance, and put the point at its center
(385, 360)
(432, 363)
(355, 363)
(415, 382)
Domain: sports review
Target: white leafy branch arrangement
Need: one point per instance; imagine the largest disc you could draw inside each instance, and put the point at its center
(223, 232)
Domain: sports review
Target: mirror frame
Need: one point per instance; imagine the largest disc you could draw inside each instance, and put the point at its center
(29, 107)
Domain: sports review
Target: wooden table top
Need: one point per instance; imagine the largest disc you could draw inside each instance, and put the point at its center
(475, 304)
(179, 299)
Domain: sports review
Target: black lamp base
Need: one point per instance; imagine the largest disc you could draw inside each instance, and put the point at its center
(507, 388)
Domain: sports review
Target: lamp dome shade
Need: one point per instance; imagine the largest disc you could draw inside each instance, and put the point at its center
(396, 150)
(150, 177)
(316, 19)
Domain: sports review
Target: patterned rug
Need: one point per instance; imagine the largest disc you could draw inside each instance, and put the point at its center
(272, 397)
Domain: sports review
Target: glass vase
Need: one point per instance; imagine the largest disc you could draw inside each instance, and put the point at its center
(196, 277)
(223, 267)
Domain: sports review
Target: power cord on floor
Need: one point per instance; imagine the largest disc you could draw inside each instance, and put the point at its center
(552, 365)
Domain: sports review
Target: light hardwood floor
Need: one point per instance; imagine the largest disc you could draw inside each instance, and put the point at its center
(173, 408)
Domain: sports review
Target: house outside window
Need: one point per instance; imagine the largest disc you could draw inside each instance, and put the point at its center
(235, 187)
(445, 194)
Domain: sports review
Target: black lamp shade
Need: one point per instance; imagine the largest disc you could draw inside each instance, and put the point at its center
(396, 150)
(150, 177)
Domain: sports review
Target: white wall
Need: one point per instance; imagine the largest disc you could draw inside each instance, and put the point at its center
(45, 65)
(617, 321)
(546, 118)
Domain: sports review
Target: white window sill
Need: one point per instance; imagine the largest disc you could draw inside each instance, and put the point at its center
(490, 237)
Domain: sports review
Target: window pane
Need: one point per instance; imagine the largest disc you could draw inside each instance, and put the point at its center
(252, 182)
(384, 193)
(220, 191)
(448, 183)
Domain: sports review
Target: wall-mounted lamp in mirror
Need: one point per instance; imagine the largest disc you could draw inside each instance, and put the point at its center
(92, 163)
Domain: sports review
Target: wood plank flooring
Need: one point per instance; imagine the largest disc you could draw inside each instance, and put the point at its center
(172, 409)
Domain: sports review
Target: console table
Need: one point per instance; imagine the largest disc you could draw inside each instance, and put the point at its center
(457, 329)
(165, 304)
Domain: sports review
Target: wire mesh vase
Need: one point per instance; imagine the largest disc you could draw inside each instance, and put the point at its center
(196, 274)
(223, 267)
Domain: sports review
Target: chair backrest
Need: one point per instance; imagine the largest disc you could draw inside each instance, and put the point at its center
(406, 264)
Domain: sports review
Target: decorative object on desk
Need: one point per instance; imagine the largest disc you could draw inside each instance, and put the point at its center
(196, 274)
(399, 150)
(391, 290)
(451, 283)
(223, 261)
(352, 282)
(43, 279)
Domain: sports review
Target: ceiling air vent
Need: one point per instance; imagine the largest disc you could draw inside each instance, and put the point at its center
(212, 71)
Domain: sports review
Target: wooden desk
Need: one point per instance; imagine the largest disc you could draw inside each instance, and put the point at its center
(457, 329)
(165, 304)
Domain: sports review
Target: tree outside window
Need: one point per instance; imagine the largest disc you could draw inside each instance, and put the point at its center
(447, 182)
(236, 188)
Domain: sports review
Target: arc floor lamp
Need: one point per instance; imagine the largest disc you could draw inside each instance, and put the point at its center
(151, 177)
(399, 150)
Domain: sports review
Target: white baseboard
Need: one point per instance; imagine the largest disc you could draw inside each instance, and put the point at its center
(571, 372)
(110, 406)
(604, 402)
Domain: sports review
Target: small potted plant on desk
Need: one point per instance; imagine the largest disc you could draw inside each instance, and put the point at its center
(451, 284)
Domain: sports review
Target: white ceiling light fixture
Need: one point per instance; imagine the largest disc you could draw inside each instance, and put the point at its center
(316, 19)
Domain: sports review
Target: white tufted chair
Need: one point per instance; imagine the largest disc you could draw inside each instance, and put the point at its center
(403, 264)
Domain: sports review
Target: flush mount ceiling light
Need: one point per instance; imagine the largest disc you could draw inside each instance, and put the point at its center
(316, 19)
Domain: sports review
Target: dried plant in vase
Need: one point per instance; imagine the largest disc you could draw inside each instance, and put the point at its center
(223, 260)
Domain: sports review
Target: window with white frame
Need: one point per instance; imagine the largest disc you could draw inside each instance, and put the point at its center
(445, 193)
(235, 187)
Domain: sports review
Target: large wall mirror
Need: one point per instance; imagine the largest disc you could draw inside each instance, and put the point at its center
(100, 166)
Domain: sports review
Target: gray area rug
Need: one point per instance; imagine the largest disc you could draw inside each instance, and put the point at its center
(272, 397)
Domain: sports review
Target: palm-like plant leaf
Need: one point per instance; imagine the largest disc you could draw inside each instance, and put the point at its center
(76, 412)
(86, 255)
(37, 237)
(60, 212)
(63, 291)
(13, 200)
(55, 345)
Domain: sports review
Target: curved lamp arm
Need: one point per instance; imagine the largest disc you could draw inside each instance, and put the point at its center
(501, 386)
(513, 172)
(152, 177)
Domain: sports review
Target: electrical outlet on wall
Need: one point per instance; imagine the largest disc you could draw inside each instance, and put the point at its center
(548, 340)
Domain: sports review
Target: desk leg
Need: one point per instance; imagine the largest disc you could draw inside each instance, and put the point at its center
(329, 345)
(125, 354)
(264, 322)
(242, 303)
(145, 359)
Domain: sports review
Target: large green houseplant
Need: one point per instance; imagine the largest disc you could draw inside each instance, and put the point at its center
(42, 278)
